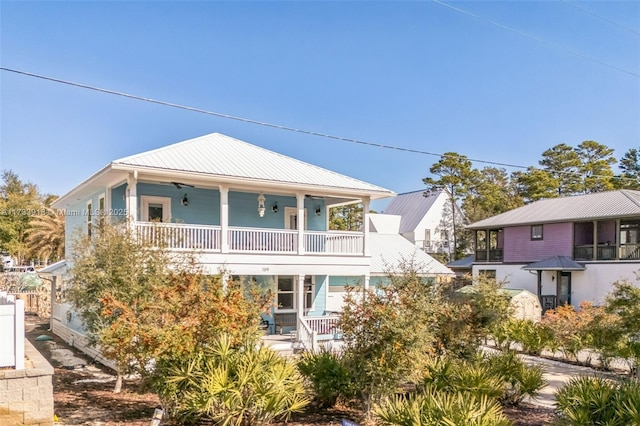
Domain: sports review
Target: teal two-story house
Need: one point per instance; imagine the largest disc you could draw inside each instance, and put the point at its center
(256, 214)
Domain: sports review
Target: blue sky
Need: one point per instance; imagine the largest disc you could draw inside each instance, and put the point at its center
(417, 75)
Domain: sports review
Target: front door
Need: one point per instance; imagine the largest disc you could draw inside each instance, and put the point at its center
(564, 288)
(291, 218)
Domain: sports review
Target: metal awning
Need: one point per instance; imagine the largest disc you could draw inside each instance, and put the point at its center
(555, 263)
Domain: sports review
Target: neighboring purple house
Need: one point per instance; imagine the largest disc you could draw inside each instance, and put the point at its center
(565, 250)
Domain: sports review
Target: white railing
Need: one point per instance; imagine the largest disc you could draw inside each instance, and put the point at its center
(349, 243)
(263, 240)
(12, 331)
(307, 336)
(329, 324)
(180, 235)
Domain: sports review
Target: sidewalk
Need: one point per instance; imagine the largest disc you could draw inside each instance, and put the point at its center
(557, 374)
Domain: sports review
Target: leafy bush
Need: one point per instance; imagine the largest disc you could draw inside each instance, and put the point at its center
(534, 337)
(597, 401)
(242, 385)
(436, 408)
(328, 376)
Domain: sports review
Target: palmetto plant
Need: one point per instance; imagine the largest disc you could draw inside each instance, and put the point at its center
(244, 385)
(441, 408)
(598, 401)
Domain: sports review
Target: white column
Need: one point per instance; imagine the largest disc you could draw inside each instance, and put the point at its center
(132, 198)
(366, 205)
(300, 295)
(224, 219)
(365, 286)
(300, 222)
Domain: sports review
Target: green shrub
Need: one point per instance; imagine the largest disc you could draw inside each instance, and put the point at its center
(244, 385)
(328, 376)
(519, 379)
(597, 401)
(534, 337)
(436, 407)
(502, 376)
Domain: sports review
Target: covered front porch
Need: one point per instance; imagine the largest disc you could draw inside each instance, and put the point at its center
(554, 280)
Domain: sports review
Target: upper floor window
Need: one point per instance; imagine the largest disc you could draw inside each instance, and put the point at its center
(536, 232)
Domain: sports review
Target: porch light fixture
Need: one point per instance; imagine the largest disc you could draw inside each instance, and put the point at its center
(261, 205)
(274, 208)
(185, 200)
(318, 211)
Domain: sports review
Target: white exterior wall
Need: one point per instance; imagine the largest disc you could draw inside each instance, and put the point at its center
(433, 221)
(591, 285)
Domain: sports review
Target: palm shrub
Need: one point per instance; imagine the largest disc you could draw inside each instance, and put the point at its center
(328, 376)
(240, 385)
(598, 401)
(519, 380)
(502, 376)
(437, 407)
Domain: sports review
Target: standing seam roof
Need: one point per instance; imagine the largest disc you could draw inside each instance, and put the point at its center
(221, 155)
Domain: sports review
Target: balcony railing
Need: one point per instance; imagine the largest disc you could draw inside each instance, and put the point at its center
(492, 255)
(263, 240)
(333, 242)
(607, 252)
(207, 238)
(180, 236)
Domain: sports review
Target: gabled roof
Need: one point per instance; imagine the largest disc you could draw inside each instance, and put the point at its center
(555, 263)
(388, 251)
(611, 204)
(412, 206)
(220, 155)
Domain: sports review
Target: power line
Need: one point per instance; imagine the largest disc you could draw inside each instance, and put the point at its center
(538, 39)
(587, 11)
(275, 126)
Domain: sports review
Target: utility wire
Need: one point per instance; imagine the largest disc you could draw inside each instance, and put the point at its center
(536, 38)
(587, 11)
(278, 126)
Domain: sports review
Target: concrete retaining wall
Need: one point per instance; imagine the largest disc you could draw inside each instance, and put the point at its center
(26, 396)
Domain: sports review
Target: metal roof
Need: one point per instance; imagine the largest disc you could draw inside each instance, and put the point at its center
(216, 154)
(464, 263)
(610, 204)
(555, 263)
(412, 206)
(389, 251)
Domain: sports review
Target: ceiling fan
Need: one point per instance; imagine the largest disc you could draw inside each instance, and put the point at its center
(179, 185)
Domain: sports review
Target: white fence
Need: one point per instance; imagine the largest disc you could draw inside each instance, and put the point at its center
(12, 331)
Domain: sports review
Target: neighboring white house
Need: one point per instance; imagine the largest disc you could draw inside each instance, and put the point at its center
(426, 219)
(257, 214)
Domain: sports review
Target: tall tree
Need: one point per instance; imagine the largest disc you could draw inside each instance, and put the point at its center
(630, 166)
(455, 175)
(535, 184)
(563, 163)
(492, 192)
(19, 202)
(45, 236)
(597, 159)
(346, 218)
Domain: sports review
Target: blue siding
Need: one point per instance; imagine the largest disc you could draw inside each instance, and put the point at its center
(344, 281)
(118, 203)
(203, 207)
(243, 211)
(320, 295)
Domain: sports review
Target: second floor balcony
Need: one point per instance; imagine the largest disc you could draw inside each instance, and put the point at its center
(208, 238)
